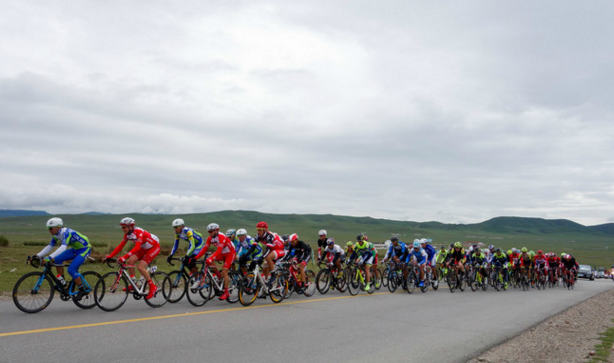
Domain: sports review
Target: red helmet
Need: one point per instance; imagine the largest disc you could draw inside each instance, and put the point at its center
(262, 225)
(540, 252)
(567, 256)
(293, 237)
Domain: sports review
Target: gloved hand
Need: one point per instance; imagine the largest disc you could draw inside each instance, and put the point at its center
(168, 259)
(121, 260)
(46, 259)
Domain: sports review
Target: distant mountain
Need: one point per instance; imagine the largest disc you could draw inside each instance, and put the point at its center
(531, 226)
(607, 228)
(21, 213)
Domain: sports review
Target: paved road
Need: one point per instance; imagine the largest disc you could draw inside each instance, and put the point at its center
(436, 326)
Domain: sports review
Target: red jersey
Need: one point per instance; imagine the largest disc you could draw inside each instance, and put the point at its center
(221, 242)
(142, 240)
(541, 260)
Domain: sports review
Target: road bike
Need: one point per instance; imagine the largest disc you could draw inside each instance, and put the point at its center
(205, 283)
(293, 275)
(330, 277)
(356, 279)
(34, 291)
(254, 285)
(396, 276)
(113, 288)
(454, 279)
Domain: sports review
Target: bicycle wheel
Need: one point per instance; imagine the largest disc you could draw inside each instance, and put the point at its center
(392, 280)
(111, 291)
(385, 275)
(89, 280)
(353, 283)
(451, 280)
(496, 283)
(341, 281)
(178, 286)
(376, 278)
(323, 281)
(199, 291)
(471, 281)
(161, 295)
(435, 282)
(233, 286)
(249, 289)
(485, 282)
(291, 285)
(310, 284)
(279, 289)
(33, 292)
(411, 282)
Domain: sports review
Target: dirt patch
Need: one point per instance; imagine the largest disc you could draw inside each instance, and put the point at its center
(568, 337)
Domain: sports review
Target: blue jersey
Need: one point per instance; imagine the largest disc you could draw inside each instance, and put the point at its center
(248, 244)
(430, 251)
(399, 251)
(421, 256)
(194, 238)
(69, 238)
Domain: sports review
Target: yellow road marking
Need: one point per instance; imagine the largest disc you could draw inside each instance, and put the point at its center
(175, 315)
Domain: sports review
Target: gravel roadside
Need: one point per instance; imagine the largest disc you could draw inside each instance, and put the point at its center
(566, 337)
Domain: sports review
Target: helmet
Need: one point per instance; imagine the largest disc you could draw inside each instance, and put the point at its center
(349, 244)
(360, 237)
(563, 254)
(293, 237)
(498, 250)
(491, 247)
(285, 237)
(55, 222)
(330, 241)
(540, 252)
(451, 245)
(241, 232)
(322, 232)
(531, 253)
(126, 221)
(423, 241)
(262, 225)
(509, 252)
(231, 232)
(567, 257)
(457, 244)
(212, 227)
(178, 222)
(394, 239)
(524, 249)
(417, 243)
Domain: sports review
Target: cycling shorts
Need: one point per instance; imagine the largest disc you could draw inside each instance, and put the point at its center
(147, 255)
(277, 254)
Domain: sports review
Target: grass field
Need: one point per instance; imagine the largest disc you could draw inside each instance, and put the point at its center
(28, 235)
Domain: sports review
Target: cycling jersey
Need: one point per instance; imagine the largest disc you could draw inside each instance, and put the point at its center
(459, 255)
(430, 251)
(514, 259)
(366, 251)
(302, 252)
(526, 260)
(250, 248)
(541, 260)
(399, 251)
(478, 258)
(273, 243)
(194, 238)
(222, 244)
(499, 260)
(569, 264)
(143, 241)
(441, 255)
(420, 256)
(336, 252)
(66, 237)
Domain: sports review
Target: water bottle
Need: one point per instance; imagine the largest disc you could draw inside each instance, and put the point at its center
(141, 281)
(61, 279)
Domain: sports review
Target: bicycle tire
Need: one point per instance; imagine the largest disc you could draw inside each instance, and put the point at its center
(353, 283)
(310, 285)
(89, 280)
(377, 281)
(411, 282)
(392, 281)
(291, 284)
(26, 299)
(385, 274)
(323, 281)
(250, 287)
(471, 281)
(341, 281)
(233, 286)
(178, 286)
(111, 291)
(198, 295)
(451, 280)
(161, 295)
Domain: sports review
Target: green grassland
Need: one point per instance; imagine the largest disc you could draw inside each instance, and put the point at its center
(28, 235)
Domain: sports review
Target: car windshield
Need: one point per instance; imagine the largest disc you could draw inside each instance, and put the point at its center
(585, 268)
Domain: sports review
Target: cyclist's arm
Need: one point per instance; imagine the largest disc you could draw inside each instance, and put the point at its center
(175, 245)
(204, 250)
(118, 248)
(47, 249)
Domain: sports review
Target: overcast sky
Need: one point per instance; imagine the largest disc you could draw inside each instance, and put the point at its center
(454, 111)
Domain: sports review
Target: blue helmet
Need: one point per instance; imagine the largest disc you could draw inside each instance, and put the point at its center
(417, 243)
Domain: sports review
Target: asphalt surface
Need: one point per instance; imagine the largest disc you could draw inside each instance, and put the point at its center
(436, 326)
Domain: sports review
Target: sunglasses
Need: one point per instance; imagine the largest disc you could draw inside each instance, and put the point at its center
(260, 229)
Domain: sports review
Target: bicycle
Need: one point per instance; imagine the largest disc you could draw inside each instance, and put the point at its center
(413, 278)
(569, 279)
(112, 289)
(292, 274)
(204, 284)
(428, 272)
(254, 285)
(357, 280)
(497, 278)
(454, 279)
(34, 291)
(396, 276)
(329, 276)
(179, 281)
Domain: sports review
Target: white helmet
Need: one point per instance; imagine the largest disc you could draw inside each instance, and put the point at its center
(423, 240)
(126, 221)
(178, 222)
(55, 222)
(322, 232)
(212, 227)
(241, 232)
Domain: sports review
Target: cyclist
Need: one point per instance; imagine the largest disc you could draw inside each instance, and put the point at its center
(364, 252)
(231, 234)
(225, 251)
(419, 255)
(432, 255)
(500, 260)
(398, 252)
(146, 248)
(554, 262)
(336, 252)
(441, 257)
(525, 261)
(79, 250)
(189, 235)
(249, 249)
(275, 247)
(321, 241)
(349, 249)
(457, 255)
(569, 264)
(300, 253)
(477, 259)
(541, 262)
